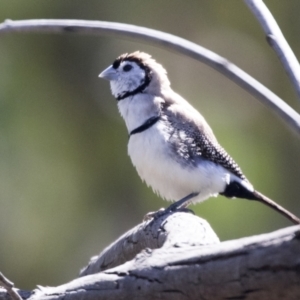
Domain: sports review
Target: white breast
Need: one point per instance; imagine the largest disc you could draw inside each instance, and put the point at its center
(150, 155)
(156, 163)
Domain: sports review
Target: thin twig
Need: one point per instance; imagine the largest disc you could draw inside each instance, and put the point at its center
(277, 41)
(9, 286)
(168, 41)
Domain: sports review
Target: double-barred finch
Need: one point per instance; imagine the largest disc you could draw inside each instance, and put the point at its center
(171, 145)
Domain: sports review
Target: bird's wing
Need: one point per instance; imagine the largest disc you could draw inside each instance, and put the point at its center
(194, 138)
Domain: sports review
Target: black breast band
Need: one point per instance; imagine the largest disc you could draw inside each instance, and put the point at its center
(150, 122)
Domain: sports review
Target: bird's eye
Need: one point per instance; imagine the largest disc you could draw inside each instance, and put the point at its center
(127, 68)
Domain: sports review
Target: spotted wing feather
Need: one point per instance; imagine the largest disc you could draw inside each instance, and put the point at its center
(191, 143)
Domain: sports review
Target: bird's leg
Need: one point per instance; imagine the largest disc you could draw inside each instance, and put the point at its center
(182, 203)
(178, 205)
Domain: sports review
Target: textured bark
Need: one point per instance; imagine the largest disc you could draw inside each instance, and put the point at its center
(172, 230)
(185, 266)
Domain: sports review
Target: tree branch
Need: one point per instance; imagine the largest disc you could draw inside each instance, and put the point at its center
(277, 41)
(178, 256)
(9, 286)
(171, 230)
(185, 266)
(167, 41)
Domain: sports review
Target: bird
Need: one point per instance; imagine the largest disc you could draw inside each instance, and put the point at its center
(172, 147)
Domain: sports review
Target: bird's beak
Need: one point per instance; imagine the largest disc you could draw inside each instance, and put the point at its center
(109, 73)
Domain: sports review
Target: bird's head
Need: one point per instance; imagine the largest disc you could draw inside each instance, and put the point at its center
(135, 73)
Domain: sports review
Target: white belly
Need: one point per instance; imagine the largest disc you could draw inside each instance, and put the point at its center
(172, 180)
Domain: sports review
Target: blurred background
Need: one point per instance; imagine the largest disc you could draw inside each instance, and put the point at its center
(67, 186)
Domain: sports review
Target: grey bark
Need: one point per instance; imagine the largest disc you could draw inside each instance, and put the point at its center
(189, 264)
(172, 230)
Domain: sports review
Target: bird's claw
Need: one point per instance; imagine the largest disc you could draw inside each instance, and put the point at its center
(154, 214)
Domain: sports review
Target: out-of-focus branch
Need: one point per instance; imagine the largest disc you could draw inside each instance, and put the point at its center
(9, 286)
(168, 41)
(277, 41)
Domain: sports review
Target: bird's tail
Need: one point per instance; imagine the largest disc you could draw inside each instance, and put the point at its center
(265, 200)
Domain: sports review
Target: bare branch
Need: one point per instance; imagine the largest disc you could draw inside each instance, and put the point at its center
(180, 266)
(167, 41)
(175, 229)
(261, 267)
(277, 41)
(9, 286)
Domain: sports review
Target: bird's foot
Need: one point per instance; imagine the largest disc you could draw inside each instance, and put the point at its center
(163, 212)
(180, 205)
(154, 214)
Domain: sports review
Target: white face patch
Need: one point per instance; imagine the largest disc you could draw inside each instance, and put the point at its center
(129, 77)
